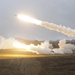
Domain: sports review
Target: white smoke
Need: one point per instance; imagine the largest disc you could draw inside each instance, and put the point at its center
(64, 48)
(44, 48)
(59, 28)
(6, 43)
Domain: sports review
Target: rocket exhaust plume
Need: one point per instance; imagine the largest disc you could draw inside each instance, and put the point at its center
(59, 28)
(29, 19)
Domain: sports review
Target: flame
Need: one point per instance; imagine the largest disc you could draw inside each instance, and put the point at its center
(17, 44)
(20, 45)
(29, 19)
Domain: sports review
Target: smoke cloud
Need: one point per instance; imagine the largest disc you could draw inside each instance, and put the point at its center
(44, 48)
(64, 48)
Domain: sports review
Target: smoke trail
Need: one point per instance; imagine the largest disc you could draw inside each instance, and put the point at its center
(62, 29)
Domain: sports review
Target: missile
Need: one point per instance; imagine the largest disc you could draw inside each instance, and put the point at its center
(51, 26)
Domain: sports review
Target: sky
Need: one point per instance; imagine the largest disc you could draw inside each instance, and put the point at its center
(54, 11)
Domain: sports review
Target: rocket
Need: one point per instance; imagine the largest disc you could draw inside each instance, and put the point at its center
(51, 26)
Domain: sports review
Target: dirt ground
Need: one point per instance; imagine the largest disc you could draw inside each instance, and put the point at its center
(46, 65)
